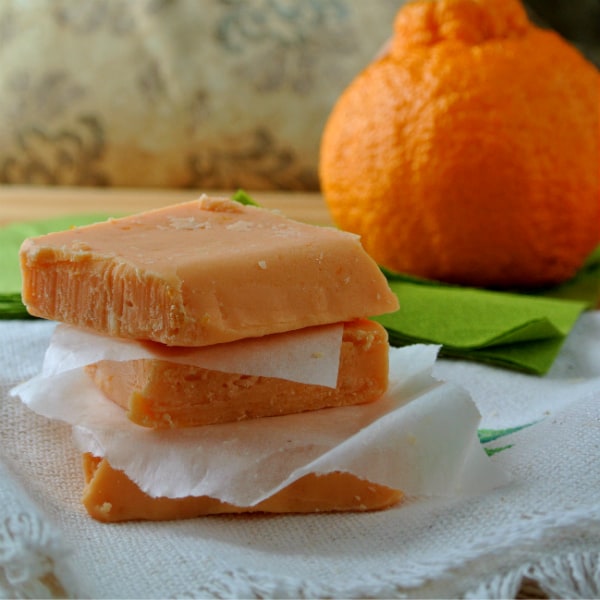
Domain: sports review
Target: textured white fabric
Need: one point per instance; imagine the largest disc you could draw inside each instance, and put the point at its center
(545, 526)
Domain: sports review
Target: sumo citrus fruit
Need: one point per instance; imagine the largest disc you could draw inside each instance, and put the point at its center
(469, 151)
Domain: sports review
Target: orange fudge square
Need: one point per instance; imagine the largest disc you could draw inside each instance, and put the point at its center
(110, 496)
(200, 273)
(158, 393)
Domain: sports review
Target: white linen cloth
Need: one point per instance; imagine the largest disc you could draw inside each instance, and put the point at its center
(544, 525)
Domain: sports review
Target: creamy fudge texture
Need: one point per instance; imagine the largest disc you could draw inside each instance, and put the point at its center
(110, 496)
(199, 273)
(158, 393)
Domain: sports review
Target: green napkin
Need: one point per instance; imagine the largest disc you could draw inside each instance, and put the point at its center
(522, 331)
(11, 238)
(516, 330)
(584, 286)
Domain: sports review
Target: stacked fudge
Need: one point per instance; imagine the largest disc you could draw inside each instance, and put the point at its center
(214, 273)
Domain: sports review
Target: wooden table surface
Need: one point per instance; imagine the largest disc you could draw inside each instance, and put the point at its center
(23, 203)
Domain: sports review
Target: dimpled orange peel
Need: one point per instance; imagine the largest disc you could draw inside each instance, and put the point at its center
(469, 151)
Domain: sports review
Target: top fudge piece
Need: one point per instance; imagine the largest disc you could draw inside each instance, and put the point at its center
(201, 273)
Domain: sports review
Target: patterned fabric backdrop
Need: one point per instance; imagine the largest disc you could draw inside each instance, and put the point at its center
(210, 94)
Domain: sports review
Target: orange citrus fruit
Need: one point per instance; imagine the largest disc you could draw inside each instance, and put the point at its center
(469, 151)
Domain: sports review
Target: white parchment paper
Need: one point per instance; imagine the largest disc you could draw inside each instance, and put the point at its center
(421, 437)
(309, 355)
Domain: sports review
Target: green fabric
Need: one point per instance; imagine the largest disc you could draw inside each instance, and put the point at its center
(11, 238)
(523, 331)
(584, 286)
(243, 197)
(515, 330)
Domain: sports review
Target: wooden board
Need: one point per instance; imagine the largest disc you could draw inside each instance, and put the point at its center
(22, 203)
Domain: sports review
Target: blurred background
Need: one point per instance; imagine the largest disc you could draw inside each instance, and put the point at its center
(211, 94)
